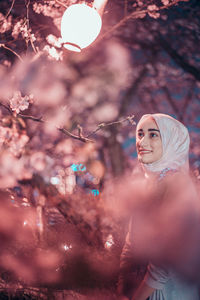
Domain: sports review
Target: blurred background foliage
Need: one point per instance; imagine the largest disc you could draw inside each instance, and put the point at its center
(60, 108)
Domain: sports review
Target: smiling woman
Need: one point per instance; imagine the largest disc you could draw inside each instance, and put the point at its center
(171, 210)
(148, 141)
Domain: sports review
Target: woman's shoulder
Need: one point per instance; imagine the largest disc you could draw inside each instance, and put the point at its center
(173, 181)
(178, 184)
(173, 177)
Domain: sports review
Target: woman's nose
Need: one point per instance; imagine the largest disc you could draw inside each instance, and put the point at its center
(144, 141)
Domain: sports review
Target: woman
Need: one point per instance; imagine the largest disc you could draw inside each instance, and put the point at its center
(162, 145)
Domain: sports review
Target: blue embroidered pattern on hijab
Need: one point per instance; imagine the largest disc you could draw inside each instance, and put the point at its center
(165, 172)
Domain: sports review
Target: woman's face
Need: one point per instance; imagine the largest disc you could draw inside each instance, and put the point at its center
(148, 142)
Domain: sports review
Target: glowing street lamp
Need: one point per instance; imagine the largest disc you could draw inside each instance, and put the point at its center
(80, 25)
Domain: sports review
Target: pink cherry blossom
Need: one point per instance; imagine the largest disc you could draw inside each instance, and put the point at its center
(19, 103)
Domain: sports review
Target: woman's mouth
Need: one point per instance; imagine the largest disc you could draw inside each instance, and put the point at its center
(144, 151)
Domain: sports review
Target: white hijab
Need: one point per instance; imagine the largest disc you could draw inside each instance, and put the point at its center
(175, 143)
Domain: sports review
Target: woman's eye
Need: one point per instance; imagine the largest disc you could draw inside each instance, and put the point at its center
(140, 134)
(153, 134)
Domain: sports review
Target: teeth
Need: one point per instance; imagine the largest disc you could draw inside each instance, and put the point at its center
(144, 151)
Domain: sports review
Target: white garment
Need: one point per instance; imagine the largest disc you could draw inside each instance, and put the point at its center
(175, 142)
(169, 286)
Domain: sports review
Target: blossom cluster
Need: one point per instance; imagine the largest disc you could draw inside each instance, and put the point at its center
(48, 10)
(14, 140)
(165, 2)
(53, 53)
(19, 103)
(22, 27)
(152, 11)
(54, 41)
(5, 23)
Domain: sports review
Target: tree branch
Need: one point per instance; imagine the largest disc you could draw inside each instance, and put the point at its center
(179, 60)
(6, 107)
(135, 15)
(27, 3)
(9, 11)
(76, 137)
(62, 4)
(80, 135)
(103, 125)
(5, 47)
(26, 117)
(172, 103)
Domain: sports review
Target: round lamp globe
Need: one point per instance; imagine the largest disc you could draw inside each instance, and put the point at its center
(80, 26)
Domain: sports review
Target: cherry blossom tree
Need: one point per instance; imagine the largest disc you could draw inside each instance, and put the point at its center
(67, 129)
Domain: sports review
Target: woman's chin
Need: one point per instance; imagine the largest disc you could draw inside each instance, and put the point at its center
(144, 160)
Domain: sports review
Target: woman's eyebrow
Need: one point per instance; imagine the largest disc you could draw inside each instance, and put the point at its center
(153, 129)
(150, 129)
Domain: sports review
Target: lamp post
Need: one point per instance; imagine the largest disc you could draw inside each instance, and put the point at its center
(81, 24)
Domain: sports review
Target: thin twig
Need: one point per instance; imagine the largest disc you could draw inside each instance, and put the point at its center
(80, 131)
(6, 16)
(15, 53)
(27, 3)
(21, 115)
(80, 136)
(31, 118)
(6, 107)
(62, 4)
(82, 139)
(103, 125)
